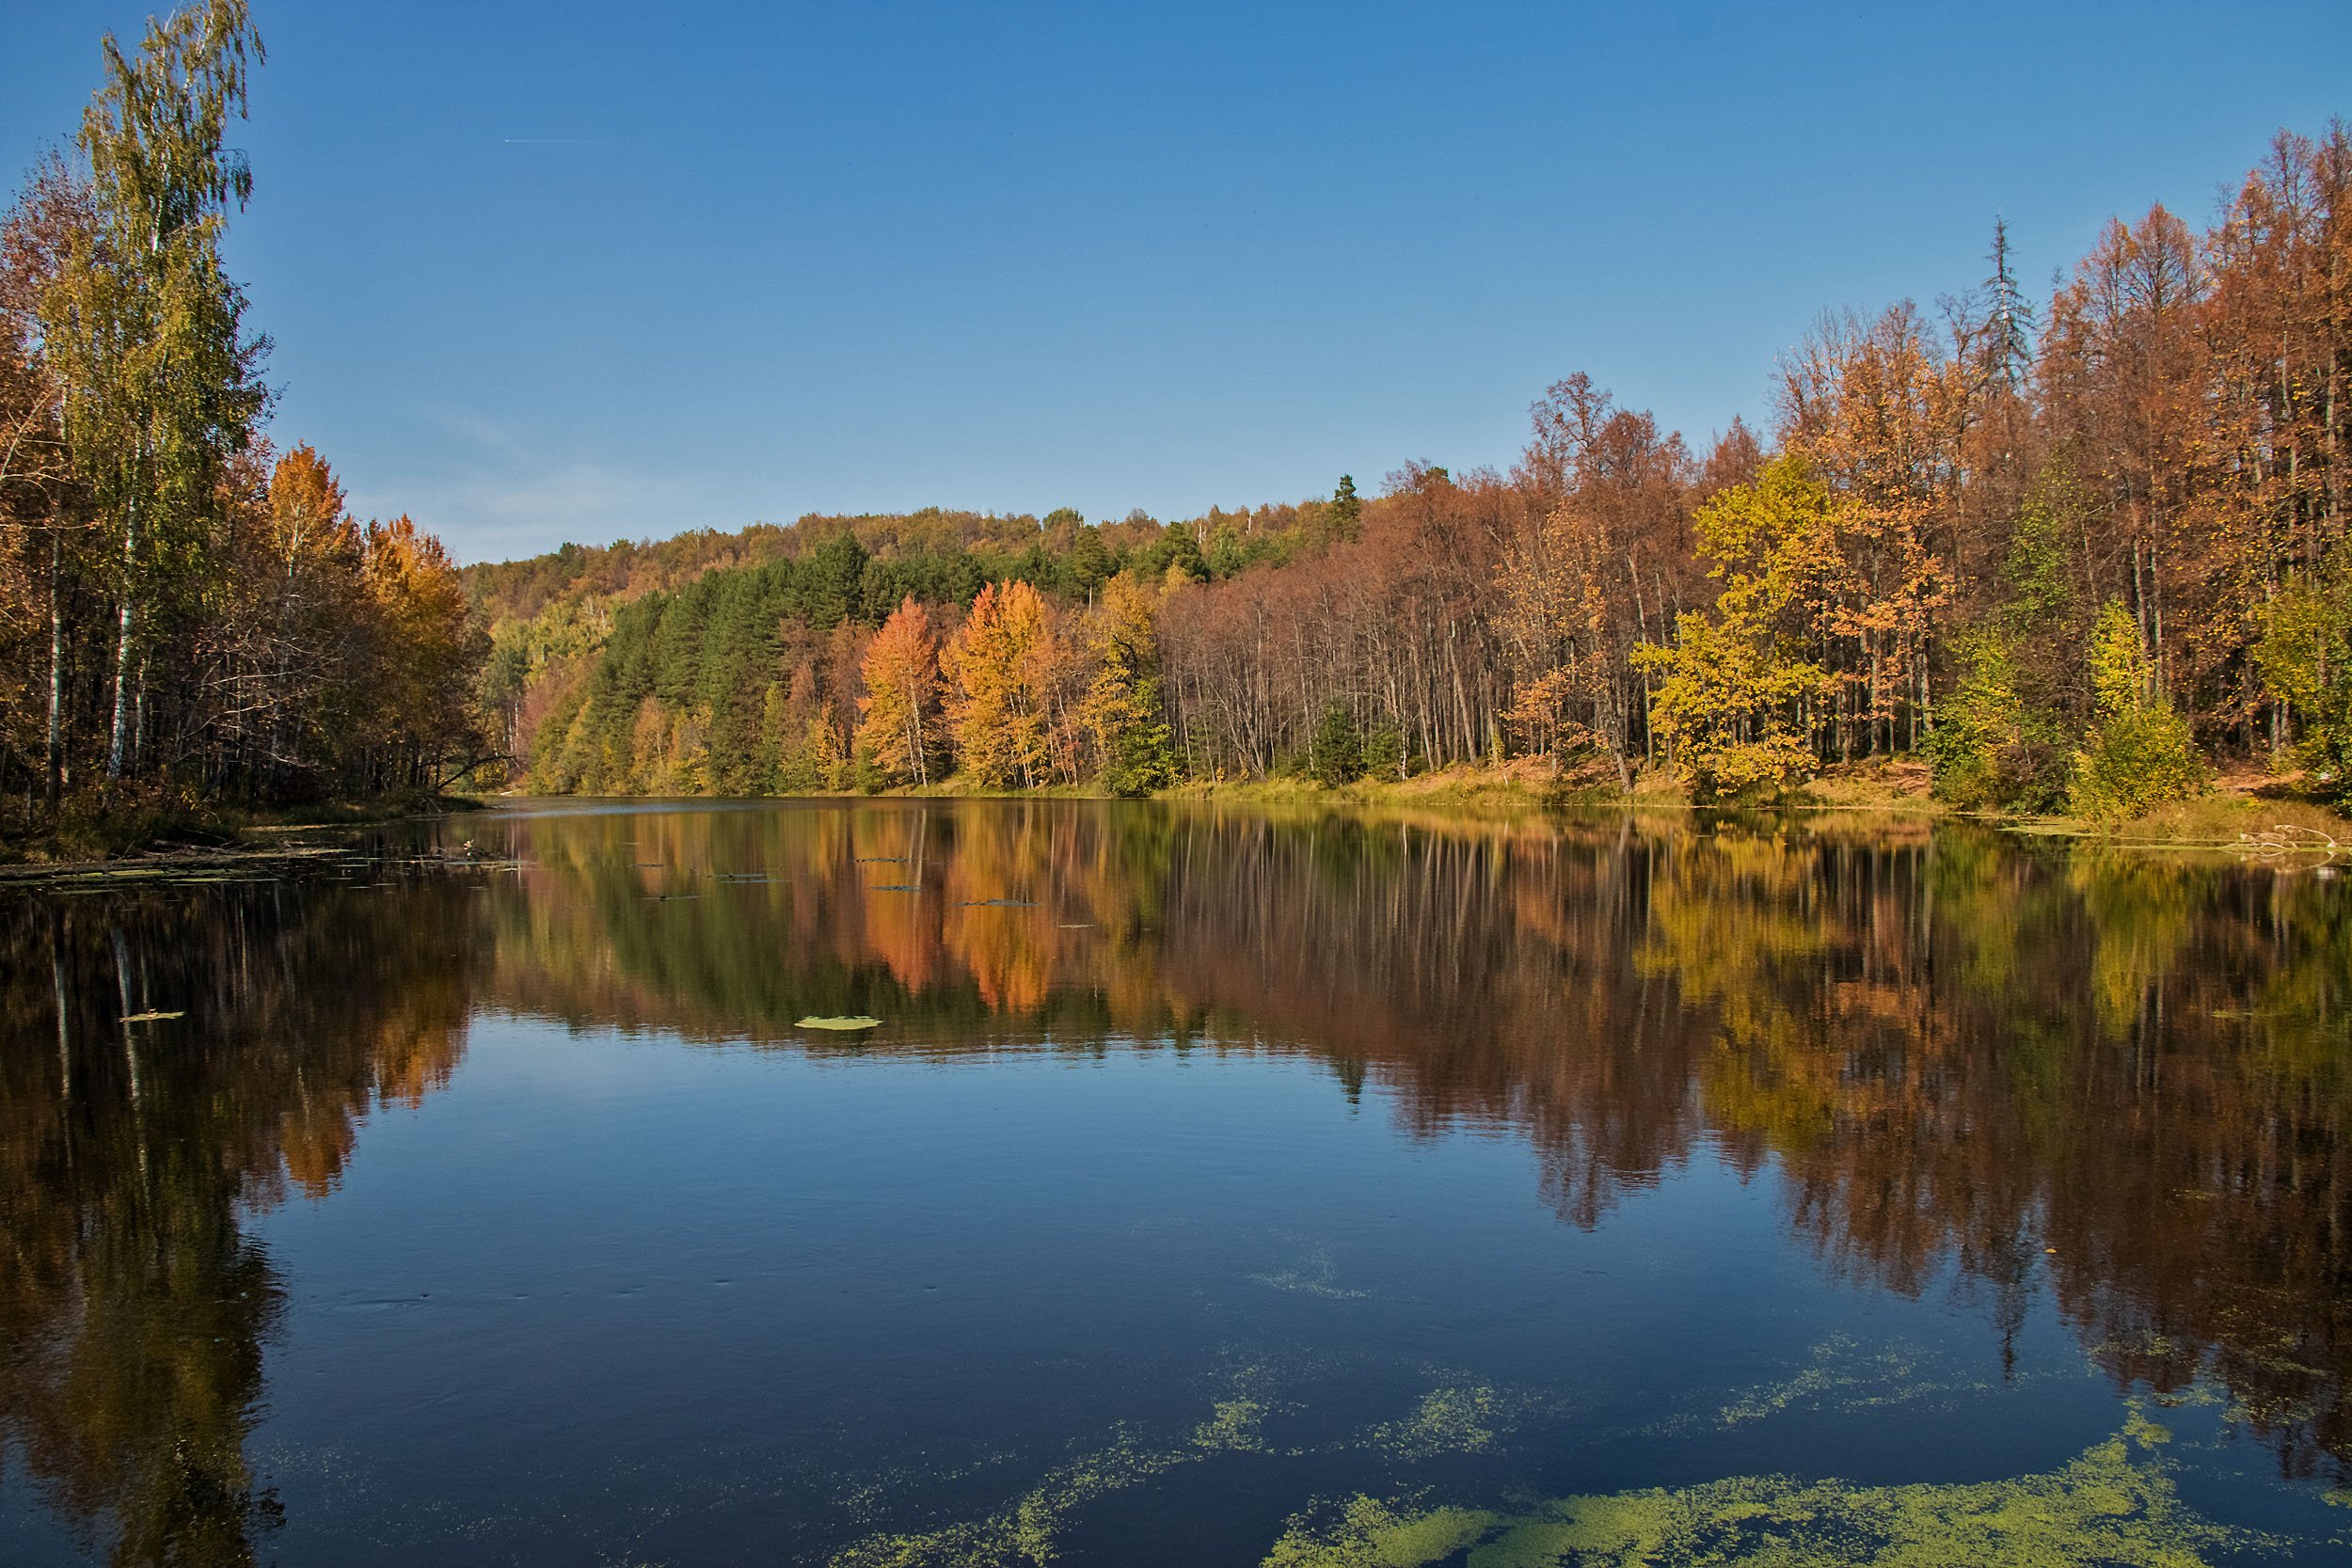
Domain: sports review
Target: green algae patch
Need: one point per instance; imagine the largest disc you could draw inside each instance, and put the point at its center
(1449, 1420)
(1372, 1534)
(2115, 1504)
(1840, 1377)
(1025, 1532)
(1234, 1428)
(1316, 1274)
(1834, 1371)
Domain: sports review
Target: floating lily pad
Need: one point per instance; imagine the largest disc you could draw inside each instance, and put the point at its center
(859, 1022)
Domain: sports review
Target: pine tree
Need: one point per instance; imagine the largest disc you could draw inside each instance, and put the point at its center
(1347, 509)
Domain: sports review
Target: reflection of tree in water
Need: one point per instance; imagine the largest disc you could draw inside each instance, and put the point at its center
(131, 1307)
(1955, 1053)
(2137, 1064)
(1958, 1051)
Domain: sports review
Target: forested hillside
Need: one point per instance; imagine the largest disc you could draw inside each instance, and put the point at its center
(739, 662)
(2067, 549)
(186, 615)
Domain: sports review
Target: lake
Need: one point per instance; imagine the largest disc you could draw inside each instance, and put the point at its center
(1214, 1186)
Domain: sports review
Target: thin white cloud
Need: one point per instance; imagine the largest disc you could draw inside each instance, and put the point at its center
(497, 513)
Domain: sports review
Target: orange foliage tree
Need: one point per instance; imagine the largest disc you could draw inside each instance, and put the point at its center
(901, 706)
(1006, 705)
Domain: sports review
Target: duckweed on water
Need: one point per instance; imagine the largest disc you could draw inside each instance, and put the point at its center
(1449, 1420)
(1316, 1274)
(1234, 1428)
(1840, 1377)
(2116, 1505)
(1023, 1534)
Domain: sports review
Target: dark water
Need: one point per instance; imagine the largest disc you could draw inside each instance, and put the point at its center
(1215, 1188)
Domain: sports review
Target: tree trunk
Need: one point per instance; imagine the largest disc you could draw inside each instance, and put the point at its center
(55, 780)
(117, 745)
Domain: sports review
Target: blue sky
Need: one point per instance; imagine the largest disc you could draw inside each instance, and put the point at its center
(549, 272)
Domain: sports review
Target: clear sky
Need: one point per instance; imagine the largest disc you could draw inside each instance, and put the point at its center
(578, 270)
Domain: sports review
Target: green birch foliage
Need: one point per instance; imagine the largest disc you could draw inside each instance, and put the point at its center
(1123, 708)
(2140, 754)
(2005, 736)
(1979, 721)
(2305, 657)
(144, 325)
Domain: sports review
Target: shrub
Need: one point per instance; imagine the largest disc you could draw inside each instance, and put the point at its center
(1990, 750)
(1334, 755)
(2133, 762)
(2306, 659)
(2141, 754)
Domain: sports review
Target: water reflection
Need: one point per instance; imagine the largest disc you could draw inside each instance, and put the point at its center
(2129, 1071)
(2125, 1077)
(176, 1057)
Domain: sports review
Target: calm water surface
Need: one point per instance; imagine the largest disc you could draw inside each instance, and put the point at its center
(1215, 1188)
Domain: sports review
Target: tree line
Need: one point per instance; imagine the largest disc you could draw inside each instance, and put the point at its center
(186, 612)
(2067, 551)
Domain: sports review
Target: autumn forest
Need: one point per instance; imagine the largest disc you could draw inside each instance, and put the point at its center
(2067, 551)
(2072, 552)
(187, 614)
(1544, 990)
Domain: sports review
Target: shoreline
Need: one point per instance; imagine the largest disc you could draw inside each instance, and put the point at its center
(2230, 818)
(141, 841)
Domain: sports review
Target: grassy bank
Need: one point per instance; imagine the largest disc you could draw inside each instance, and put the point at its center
(93, 832)
(2224, 819)
(1507, 788)
(2238, 808)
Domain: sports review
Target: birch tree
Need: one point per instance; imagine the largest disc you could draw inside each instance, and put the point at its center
(144, 325)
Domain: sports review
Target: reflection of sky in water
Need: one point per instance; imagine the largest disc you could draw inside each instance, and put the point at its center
(971, 1307)
(1373, 1197)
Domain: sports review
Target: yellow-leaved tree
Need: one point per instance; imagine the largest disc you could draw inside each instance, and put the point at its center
(1738, 687)
(899, 727)
(1121, 710)
(1004, 666)
(424, 728)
